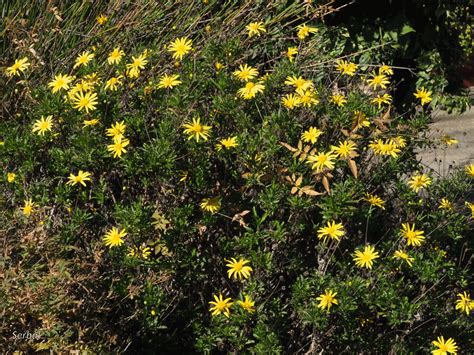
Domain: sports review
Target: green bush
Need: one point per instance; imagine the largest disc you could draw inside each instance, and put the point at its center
(431, 39)
(128, 206)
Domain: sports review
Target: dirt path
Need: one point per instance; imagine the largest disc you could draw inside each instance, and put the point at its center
(460, 127)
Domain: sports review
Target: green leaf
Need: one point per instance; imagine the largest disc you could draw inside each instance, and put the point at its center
(406, 29)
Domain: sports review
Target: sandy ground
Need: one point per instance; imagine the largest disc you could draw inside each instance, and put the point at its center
(460, 127)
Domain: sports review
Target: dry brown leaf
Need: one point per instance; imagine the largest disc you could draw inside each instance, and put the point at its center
(239, 217)
(326, 184)
(289, 147)
(308, 190)
(299, 181)
(353, 167)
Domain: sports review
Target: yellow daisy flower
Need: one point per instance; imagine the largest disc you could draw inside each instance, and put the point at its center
(114, 238)
(304, 31)
(196, 130)
(113, 83)
(345, 67)
(444, 347)
(464, 303)
(445, 204)
(250, 90)
(291, 101)
(385, 69)
(308, 98)
(401, 255)
(338, 99)
(137, 64)
(365, 258)
(332, 230)
(91, 122)
(399, 141)
(470, 170)
(11, 177)
(115, 56)
(321, 161)
(101, 19)
(255, 28)
(360, 120)
(448, 140)
(169, 81)
(382, 99)
(180, 47)
(327, 299)
(238, 269)
(227, 143)
(388, 147)
(291, 53)
(378, 80)
(116, 130)
(311, 135)
(413, 237)
(246, 72)
(374, 200)
(424, 95)
(18, 67)
(345, 149)
(43, 125)
(60, 82)
(80, 178)
(212, 204)
(118, 146)
(85, 101)
(419, 181)
(247, 304)
(28, 207)
(83, 59)
(220, 306)
(299, 84)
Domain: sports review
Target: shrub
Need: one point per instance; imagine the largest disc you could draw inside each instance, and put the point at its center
(205, 206)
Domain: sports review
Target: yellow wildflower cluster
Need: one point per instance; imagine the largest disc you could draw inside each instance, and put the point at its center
(335, 145)
(119, 142)
(304, 95)
(238, 270)
(389, 147)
